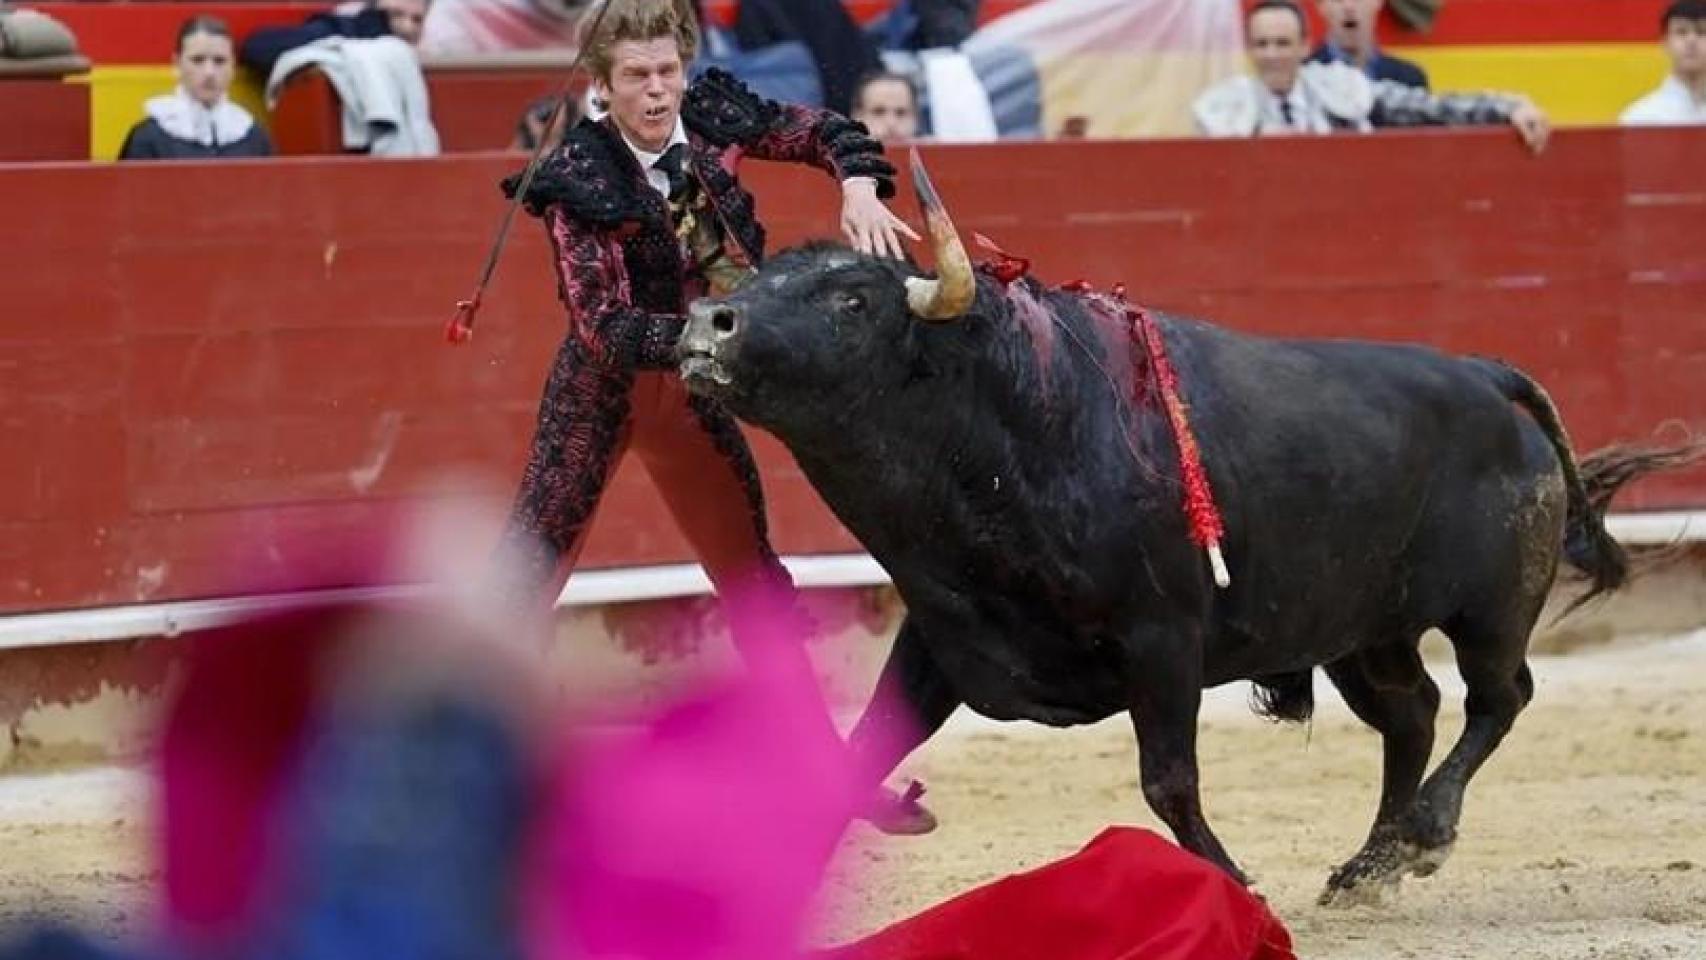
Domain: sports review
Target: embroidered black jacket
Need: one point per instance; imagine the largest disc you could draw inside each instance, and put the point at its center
(620, 268)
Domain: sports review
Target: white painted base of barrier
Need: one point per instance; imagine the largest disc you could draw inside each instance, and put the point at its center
(585, 588)
(1658, 527)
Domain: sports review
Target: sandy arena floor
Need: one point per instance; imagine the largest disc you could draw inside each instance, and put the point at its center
(1584, 837)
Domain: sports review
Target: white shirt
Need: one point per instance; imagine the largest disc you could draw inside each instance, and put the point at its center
(1306, 115)
(1243, 106)
(659, 179)
(1672, 104)
(189, 119)
(648, 160)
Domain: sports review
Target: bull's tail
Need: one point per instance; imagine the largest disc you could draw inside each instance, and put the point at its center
(1591, 485)
(1284, 696)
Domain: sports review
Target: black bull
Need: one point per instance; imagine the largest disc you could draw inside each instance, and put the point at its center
(984, 445)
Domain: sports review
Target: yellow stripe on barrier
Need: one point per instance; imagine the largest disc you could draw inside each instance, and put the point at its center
(116, 95)
(1575, 83)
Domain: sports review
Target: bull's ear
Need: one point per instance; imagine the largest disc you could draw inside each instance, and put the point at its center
(950, 295)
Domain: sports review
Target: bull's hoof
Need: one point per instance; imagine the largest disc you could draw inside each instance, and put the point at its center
(1426, 863)
(1345, 889)
(1369, 878)
(902, 815)
(1373, 876)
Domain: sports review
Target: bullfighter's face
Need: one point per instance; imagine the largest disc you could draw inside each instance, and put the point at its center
(646, 83)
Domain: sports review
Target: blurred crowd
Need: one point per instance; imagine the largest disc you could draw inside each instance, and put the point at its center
(924, 70)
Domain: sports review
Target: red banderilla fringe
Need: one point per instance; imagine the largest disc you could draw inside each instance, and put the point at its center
(1200, 509)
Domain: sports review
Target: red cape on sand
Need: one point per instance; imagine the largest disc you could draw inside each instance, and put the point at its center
(1128, 895)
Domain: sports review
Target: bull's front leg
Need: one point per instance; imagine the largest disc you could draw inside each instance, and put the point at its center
(1166, 680)
(911, 702)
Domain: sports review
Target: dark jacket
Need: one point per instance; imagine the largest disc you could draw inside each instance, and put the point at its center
(927, 24)
(263, 47)
(843, 52)
(1382, 67)
(620, 269)
(149, 141)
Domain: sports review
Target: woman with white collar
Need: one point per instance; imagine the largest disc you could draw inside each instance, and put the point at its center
(198, 120)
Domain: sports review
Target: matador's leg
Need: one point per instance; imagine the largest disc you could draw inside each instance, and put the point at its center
(700, 462)
(705, 471)
(583, 430)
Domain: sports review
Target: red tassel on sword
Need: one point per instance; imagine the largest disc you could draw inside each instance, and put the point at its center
(460, 329)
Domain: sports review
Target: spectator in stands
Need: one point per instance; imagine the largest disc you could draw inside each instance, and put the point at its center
(403, 19)
(1287, 95)
(842, 51)
(407, 18)
(197, 119)
(887, 104)
(367, 52)
(1681, 99)
(1350, 39)
(32, 35)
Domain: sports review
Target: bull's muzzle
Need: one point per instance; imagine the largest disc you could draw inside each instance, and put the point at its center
(711, 325)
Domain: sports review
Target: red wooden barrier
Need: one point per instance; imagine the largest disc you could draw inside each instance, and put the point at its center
(476, 103)
(45, 118)
(191, 351)
(305, 121)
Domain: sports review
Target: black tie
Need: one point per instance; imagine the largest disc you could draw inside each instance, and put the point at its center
(1285, 111)
(671, 164)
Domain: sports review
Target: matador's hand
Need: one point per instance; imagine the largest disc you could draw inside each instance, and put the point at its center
(869, 225)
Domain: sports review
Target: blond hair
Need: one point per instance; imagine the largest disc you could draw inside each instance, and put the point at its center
(638, 21)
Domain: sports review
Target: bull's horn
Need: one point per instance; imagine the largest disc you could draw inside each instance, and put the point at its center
(949, 296)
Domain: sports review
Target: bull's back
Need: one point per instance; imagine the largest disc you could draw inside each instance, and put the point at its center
(1361, 483)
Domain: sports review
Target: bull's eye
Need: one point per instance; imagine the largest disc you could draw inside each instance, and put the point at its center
(852, 304)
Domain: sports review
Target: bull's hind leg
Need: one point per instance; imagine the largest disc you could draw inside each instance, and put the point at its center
(1388, 688)
(1491, 657)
